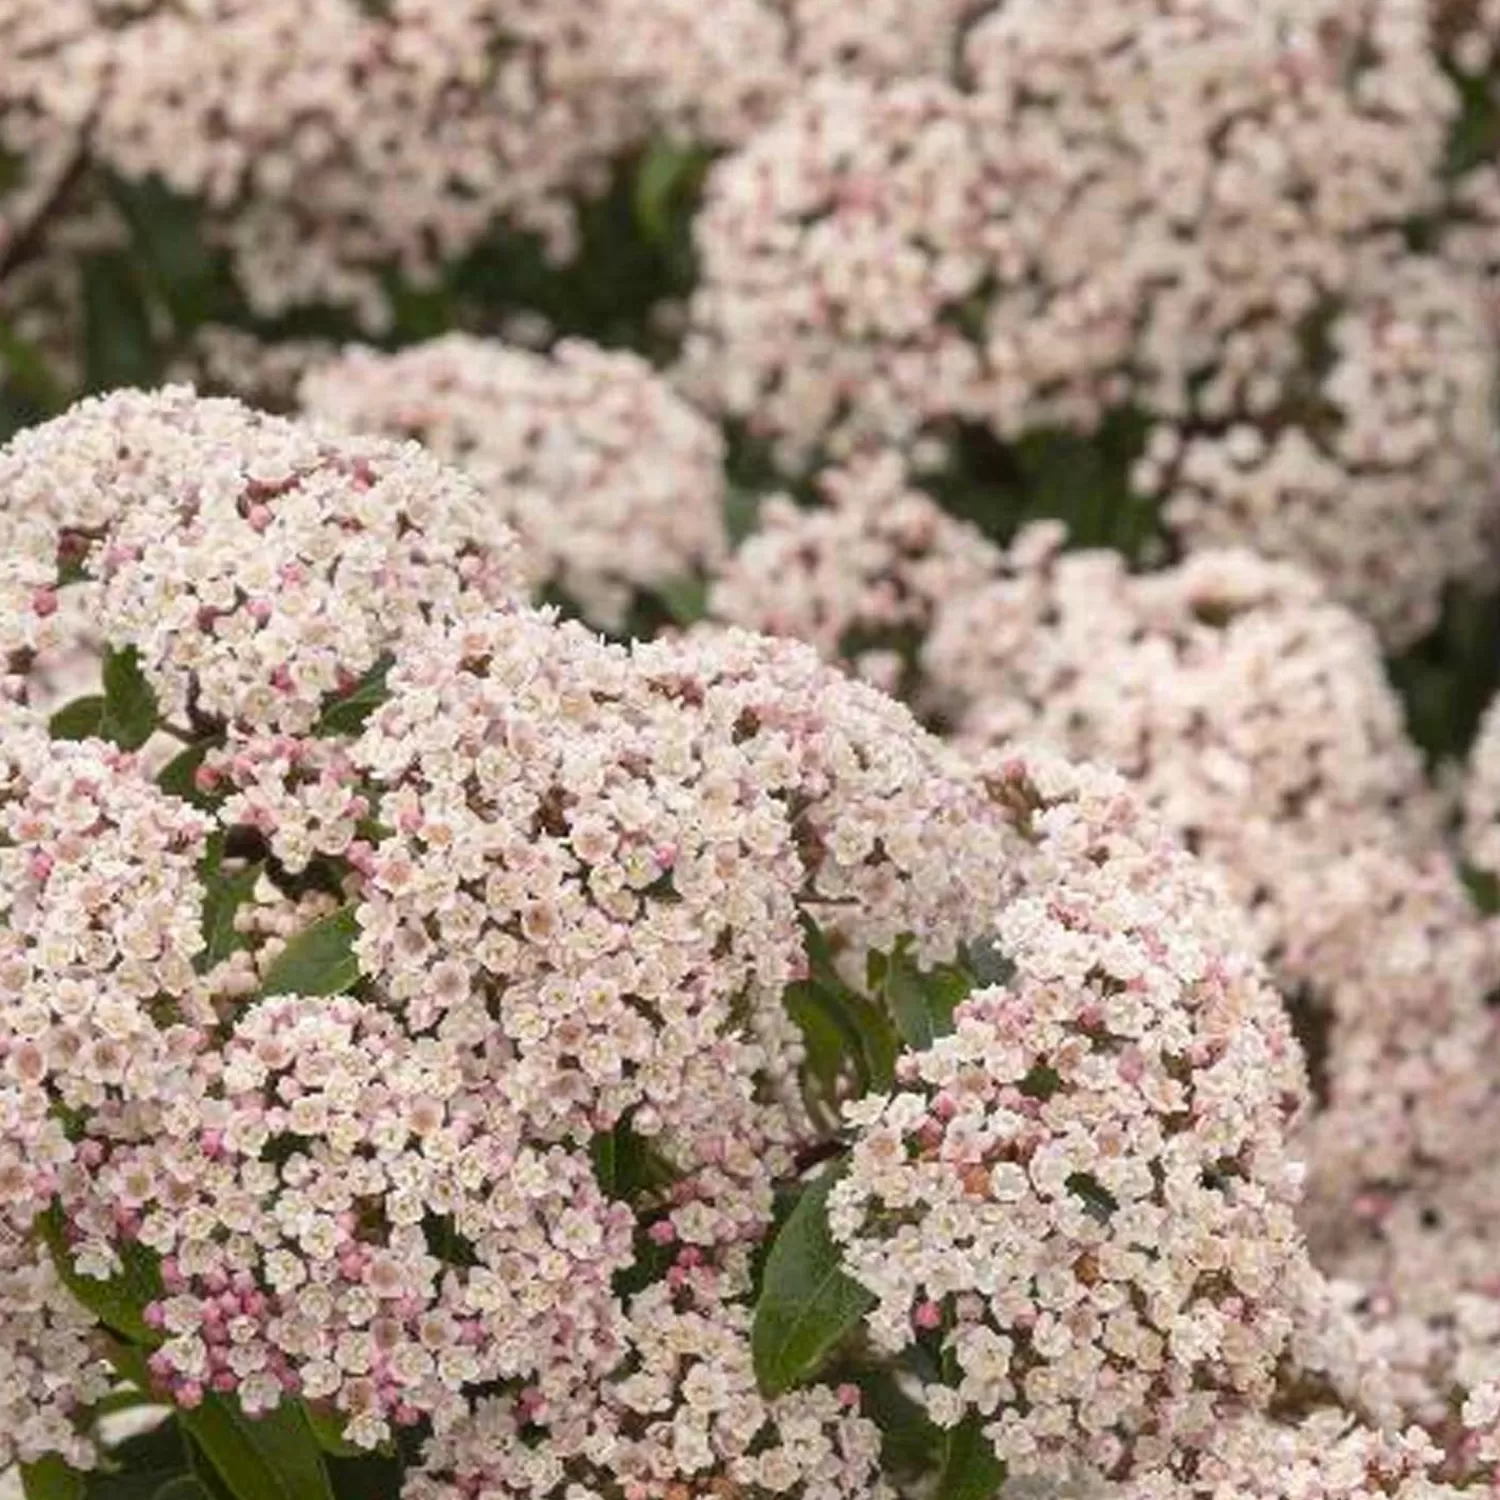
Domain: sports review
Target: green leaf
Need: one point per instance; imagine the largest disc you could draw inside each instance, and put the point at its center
(686, 599)
(223, 895)
(742, 512)
(911, 1445)
(970, 1469)
(916, 1018)
(130, 712)
(24, 367)
(118, 346)
(626, 1165)
(319, 960)
(807, 1304)
(988, 963)
(272, 1457)
(371, 1476)
(327, 1427)
(171, 250)
(82, 719)
(50, 1478)
(664, 183)
(824, 1044)
(348, 713)
(118, 1303)
(179, 776)
(183, 1487)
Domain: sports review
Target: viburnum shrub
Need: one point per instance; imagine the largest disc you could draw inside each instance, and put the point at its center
(444, 1054)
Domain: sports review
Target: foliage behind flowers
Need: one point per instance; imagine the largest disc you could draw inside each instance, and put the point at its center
(1025, 1017)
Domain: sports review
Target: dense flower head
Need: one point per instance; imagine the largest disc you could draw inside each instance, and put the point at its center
(1395, 952)
(1242, 151)
(254, 565)
(1237, 158)
(1326, 1455)
(860, 577)
(1250, 708)
(714, 75)
(338, 1285)
(613, 484)
(1378, 474)
(1400, 970)
(50, 1367)
(682, 1417)
(102, 917)
(896, 838)
(1081, 1196)
(838, 249)
(580, 848)
(312, 130)
(574, 882)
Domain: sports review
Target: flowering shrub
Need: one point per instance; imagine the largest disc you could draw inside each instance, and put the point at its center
(556, 1068)
(1021, 1022)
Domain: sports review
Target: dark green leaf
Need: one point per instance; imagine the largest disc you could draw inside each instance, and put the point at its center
(347, 714)
(319, 960)
(49, 1478)
(741, 512)
(327, 1427)
(908, 1004)
(129, 703)
(988, 963)
(686, 599)
(82, 719)
(824, 1041)
(223, 895)
(272, 1457)
(117, 1303)
(910, 1444)
(178, 777)
(118, 344)
(156, 1449)
(183, 1487)
(807, 1304)
(665, 182)
(171, 250)
(626, 1165)
(1098, 1202)
(24, 368)
(970, 1469)
(372, 1476)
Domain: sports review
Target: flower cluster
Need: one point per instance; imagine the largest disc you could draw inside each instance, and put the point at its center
(1080, 1200)
(1403, 1190)
(860, 577)
(839, 249)
(330, 139)
(1251, 710)
(613, 484)
(1396, 952)
(682, 1417)
(888, 258)
(343, 1065)
(716, 75)
(1379, 474)
(49, 1367)
(443, 1048)
(1325, 1456)
(254, 565)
